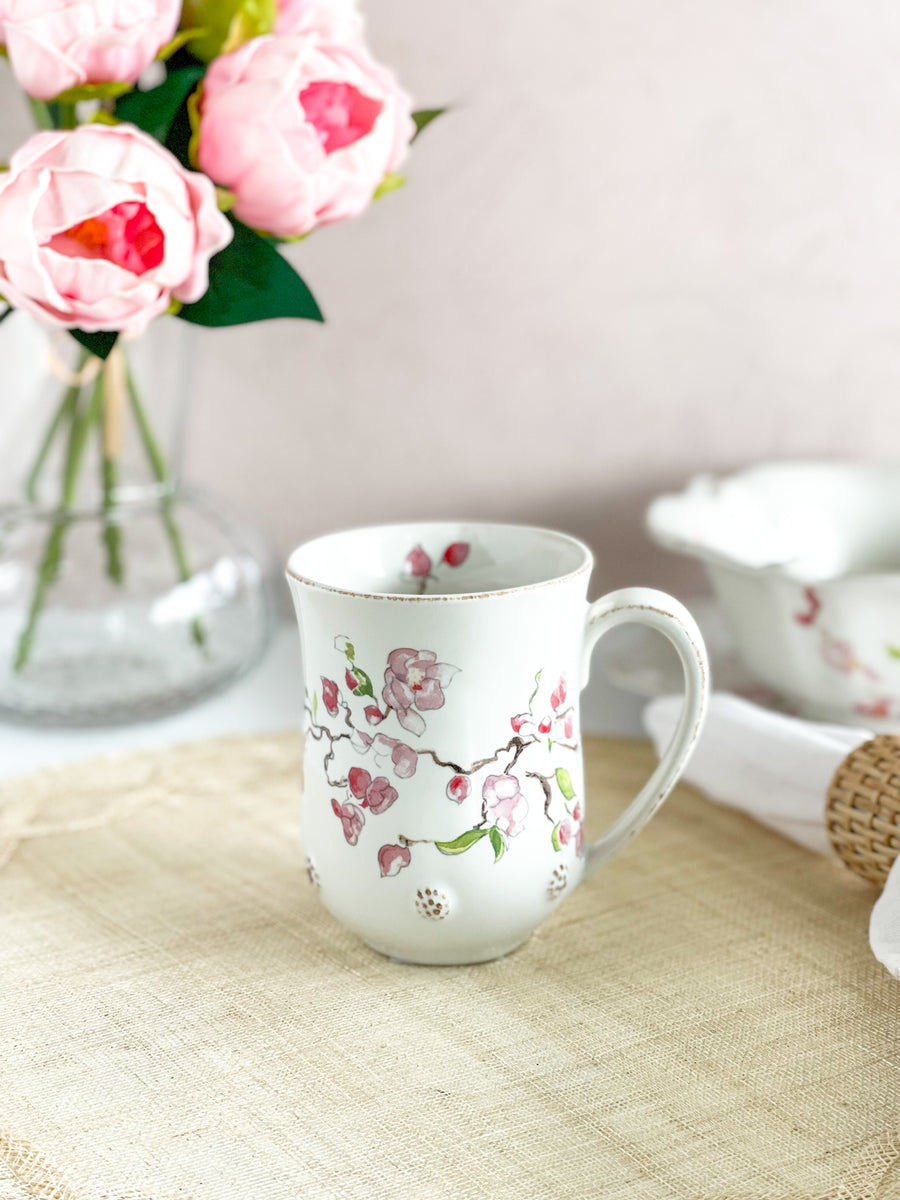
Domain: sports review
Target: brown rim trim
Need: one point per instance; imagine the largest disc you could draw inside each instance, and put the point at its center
(585, 568)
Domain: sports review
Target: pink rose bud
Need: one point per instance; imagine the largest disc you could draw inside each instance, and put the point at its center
(558, 697)
(569, 725)
(374, 715)
(456, 554)
(392, 859)
(576, 812)
(302, 128)
(111, 226)
(351, 681)
(330, 696)
(546, 725)
(359, 780)
(519, 721)
(458, 788)
(56, 45)
(579, 840)
(564, 833)
(380, 795)
(418, 563)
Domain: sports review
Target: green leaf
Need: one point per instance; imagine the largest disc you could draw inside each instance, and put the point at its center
(100, 344)
(179, 41)
(94, 91)
(391, 182)
(155, 110)
(350, 651)
(554, 836)
(250, 281)
(462, 843)
(424, 117)
(365, 683)
(537, 686)
(497, 842)
(564, 779)
(894, 651)
(315, 707)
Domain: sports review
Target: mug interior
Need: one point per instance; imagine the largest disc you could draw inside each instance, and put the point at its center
(434, 559)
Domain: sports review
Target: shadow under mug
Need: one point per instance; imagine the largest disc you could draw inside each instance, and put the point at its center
(443, 800)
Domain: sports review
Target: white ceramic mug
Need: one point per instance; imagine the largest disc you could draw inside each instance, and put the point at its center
(443, 800)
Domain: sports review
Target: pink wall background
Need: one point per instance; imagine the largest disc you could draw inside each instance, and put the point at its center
(654, 237)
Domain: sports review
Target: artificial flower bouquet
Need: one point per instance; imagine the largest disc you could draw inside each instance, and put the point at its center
(179, 144)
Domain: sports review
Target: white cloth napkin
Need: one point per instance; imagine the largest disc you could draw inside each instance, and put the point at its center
(777, 769)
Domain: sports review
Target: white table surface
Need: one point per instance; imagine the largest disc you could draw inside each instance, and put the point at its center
(265, 700)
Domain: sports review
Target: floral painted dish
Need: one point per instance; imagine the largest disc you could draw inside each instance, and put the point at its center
(804, 559)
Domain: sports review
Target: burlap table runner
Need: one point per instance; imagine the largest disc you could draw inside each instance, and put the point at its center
(180, 1018)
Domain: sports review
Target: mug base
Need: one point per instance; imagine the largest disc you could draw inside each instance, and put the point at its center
(434, 956)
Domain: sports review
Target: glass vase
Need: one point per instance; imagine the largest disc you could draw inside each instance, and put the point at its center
(124, 593)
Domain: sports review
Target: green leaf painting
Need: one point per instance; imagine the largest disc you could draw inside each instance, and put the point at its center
(497, 842)
(463, 842)
(564, 781)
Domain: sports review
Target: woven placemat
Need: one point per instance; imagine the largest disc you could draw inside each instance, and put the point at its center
(179, 1017)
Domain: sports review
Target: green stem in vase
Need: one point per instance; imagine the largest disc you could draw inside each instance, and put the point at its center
(162, 477)
(112, 534)
(79, 427)
(63, 415)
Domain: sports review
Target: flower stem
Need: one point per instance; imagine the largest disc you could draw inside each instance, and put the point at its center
(41, 113)
(63, 414)
(112, 534)
(68, 118)
(48, 571)
(161, 474)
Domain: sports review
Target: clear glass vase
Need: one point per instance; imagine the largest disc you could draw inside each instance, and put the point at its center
(124, 594)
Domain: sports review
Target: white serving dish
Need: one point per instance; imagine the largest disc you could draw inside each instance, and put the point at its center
(804, 558)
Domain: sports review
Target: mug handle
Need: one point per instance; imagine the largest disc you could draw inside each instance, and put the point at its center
(646, 606)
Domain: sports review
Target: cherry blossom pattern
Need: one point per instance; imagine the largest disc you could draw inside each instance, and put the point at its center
(414, 683)
(352, 820)
(392, 859)
(330, 696)
(813, 604)
(505, 805)
(421, 566)
(458, 788)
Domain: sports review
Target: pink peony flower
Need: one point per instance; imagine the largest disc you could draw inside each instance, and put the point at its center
(558, 696)
(55, 45)
(564, 833)
(456, 554)
(374, 715)
(459, 788)
(418, 563)
(414, 679)
(380, 795)
(100, 227)
(340, 17)
(392, 859)
(302, 128)
(359, 780)
(352, 820)
(506, 806)
(404, 758)
(330, 696)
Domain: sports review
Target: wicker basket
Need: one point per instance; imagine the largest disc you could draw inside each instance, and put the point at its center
(862, 812)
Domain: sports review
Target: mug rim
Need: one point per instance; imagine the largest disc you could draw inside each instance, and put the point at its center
(584, 567)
